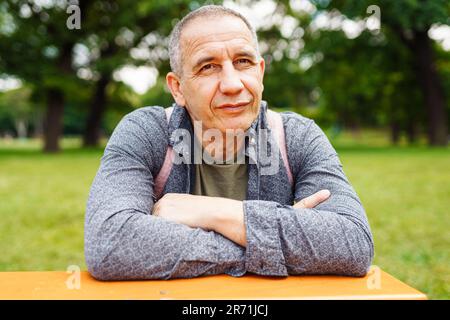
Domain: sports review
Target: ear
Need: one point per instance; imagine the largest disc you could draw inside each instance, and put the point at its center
(173, 82)
(262, 67)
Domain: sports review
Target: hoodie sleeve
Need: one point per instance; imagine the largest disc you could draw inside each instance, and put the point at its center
(332, 238)
(123, 241)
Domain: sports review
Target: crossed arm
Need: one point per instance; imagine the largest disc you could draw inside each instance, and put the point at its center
(221, 215)
(128, 237)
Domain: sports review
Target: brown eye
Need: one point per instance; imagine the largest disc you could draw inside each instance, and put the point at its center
(243, 61)
(207, 67)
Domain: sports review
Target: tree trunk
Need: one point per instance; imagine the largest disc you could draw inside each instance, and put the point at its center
(53, 120)
(431, 87)
(411, 132)
(395, 133)
(96, 111)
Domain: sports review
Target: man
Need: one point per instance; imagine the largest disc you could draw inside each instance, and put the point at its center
(221, 218)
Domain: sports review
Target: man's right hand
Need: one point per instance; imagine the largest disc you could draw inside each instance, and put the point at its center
(313, 200)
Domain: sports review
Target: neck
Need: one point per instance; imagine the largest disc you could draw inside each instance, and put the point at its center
(222, 149)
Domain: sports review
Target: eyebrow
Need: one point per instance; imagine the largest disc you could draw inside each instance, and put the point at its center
(202, 61)
(244, 53)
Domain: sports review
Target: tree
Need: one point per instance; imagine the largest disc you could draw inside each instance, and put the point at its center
(115, 30)
(409, 21)
(37, 47)
(41, 50)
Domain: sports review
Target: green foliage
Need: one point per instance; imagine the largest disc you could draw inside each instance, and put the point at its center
(368, 80)
(407, 14)
(31, 50)
(159, 95)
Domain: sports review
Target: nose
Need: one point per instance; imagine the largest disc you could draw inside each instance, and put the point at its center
(230, 82)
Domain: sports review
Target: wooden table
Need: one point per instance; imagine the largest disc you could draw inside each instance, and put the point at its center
(377, 284)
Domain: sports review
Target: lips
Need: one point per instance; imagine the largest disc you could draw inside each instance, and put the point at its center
(233, 106)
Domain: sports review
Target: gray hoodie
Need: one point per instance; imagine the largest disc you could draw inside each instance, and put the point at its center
(124, 241)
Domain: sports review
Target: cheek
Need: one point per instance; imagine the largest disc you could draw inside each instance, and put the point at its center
(204, 91)
(199, 97)
(253, 83)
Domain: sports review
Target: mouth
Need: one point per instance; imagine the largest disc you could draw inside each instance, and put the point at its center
(233, 107)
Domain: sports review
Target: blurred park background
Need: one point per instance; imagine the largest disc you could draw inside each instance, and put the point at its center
(375, 75)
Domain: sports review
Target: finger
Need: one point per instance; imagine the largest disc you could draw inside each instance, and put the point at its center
(156, 208)
(313, 200)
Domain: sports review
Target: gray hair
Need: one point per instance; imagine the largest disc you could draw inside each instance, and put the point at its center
(205, 11)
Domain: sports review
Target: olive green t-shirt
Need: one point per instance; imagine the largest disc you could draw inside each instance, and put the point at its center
(221, 180)
(227, 180)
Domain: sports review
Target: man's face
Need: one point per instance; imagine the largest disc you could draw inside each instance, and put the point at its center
(221, 83)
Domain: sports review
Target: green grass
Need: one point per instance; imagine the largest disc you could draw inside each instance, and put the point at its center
(405, 190)
(42, 202)
(406, 194)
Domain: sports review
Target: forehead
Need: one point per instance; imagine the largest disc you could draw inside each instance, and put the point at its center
(213, 34)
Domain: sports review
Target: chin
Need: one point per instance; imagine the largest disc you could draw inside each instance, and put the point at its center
(236, 124)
